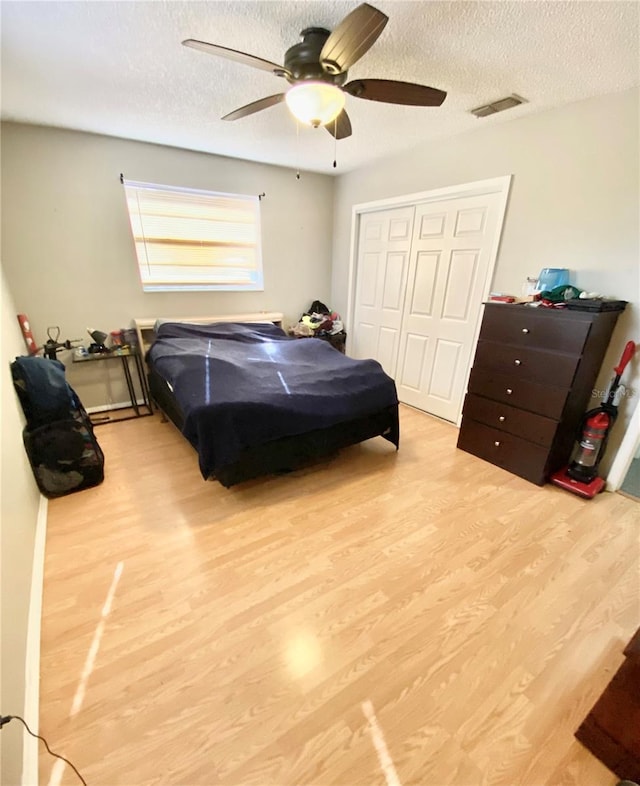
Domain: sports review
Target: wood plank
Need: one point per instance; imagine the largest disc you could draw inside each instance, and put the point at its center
(480, 616)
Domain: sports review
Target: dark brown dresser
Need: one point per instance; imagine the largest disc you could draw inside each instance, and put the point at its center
(532, 381)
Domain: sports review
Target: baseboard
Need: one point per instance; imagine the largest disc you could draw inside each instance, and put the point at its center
(109, 407)
(32, 659)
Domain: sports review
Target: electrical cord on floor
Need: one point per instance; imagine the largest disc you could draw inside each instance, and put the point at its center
(6, 718)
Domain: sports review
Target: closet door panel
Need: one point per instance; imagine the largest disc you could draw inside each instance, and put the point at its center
(414, 361)
(424, 282)
(459, 287)
(445, 365)
(451, 252)
(387, 347)
(369, 280)
(368, 339)
(383, 262)
(394, 282)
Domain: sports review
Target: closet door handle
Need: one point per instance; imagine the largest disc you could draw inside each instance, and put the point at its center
(497, 444)
(517, 362)
(525, 330)
(501, 418)
(509, 391)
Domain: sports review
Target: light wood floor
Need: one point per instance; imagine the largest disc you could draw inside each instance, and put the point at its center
(419, 618)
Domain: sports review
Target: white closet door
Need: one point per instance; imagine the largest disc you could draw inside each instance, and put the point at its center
(454, 243)
(382, 266)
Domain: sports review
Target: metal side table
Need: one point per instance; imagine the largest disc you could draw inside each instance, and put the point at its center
(125, 356)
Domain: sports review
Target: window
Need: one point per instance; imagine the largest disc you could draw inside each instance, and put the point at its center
(188, 239)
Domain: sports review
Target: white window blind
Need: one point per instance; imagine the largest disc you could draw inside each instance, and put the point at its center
(187, 239)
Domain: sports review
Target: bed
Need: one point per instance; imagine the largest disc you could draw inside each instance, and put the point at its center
(253, 400)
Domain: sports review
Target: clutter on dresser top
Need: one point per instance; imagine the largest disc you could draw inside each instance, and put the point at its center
(552, 289)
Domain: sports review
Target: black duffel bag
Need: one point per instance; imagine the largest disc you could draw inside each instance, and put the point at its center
(59, 439)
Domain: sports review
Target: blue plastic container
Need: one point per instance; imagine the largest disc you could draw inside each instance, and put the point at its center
(551, 277)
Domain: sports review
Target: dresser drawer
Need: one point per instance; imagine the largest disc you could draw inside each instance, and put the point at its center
(521, 363)
(527, 425)
(504, 450)
(527, 328)
(541, 399)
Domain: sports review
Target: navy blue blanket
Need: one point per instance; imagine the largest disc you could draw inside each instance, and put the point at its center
(242, 385)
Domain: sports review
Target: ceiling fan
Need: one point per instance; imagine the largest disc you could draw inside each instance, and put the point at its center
(316, 68)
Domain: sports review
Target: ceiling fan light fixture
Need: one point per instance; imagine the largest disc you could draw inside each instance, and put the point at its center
(315, 103)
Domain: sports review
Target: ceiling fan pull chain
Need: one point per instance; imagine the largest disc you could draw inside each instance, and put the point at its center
(297, 149)
(335, 141)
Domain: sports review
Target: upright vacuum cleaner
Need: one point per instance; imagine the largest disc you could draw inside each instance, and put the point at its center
(581, 476)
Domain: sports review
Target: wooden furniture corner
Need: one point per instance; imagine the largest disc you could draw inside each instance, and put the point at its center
(611, 731)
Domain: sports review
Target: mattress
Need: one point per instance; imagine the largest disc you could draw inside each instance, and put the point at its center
(237, 387)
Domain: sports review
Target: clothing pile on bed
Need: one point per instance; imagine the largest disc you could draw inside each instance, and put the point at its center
(318, 321)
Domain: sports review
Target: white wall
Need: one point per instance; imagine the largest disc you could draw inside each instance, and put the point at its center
(573, 203)
(69, 257)
(67, 246)
(19, 510)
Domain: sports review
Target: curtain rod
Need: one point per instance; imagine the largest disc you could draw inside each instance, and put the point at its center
(260, 196)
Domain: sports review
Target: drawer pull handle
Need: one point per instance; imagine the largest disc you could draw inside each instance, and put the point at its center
(517, 362)
(497, 444)
(525, 330)
(501, 418)
(509, 391)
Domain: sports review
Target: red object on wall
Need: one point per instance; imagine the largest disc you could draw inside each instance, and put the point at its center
(29, 340)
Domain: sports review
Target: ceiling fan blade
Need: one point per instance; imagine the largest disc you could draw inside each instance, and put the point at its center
(392, 92)
(357, 32)
(341, 127)
(238, 57)
(255, 106)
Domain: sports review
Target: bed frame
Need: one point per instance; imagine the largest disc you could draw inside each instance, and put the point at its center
(281, 455)
(145, 326)
(288, 453)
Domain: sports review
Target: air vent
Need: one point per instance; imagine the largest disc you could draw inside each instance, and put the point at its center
(498, 106)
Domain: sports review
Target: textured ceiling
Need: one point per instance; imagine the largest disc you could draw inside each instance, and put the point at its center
(118, 68)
